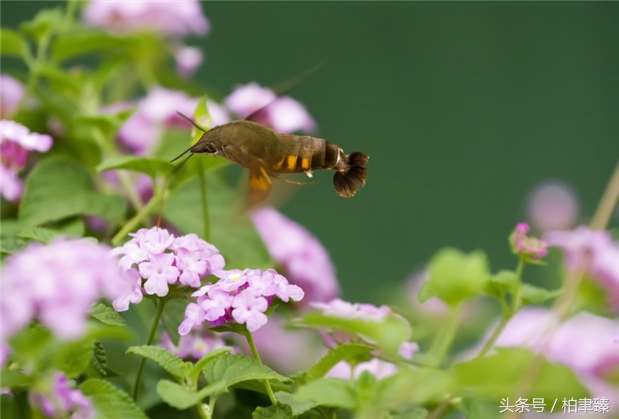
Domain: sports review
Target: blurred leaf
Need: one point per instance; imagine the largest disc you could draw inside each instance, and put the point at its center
(297, 405)
(227, 370)
(334, 356)
(273, 412)
(234, 235)
(405, 387)
(167, 360)
(536, 295)
(149, 166)
(455, 276)
(59, 77)
(42, 234)
(84, 41)
(108, 125)
(203, 119)
(10, 245)
(388, 333)
(478, 408)
(73, 358)
(331, 392)
(43, 23)
(12, 43)
(29, 343)
(501, 283)
(179, 397)
(58, 188)
(107, 315)
(498, 376)
(109, 401)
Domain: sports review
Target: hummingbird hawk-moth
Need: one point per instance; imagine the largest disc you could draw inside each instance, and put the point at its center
(267, 153)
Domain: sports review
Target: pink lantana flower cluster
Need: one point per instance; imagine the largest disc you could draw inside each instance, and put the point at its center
(283, 114)
(194, 345)
(596, 251)
(57, 284)
(241, 297)
(527, 248)
(64, 401)
(16, 142)
(154, 259)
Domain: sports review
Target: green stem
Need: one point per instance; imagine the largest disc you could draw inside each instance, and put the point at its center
(151, 336)
(254, 351)
(204, 196)
(517, 300)
(444, 339)
(133, 222)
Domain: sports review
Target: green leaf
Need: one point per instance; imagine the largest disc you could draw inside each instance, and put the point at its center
(414, 412)
(10, 245)
(109, 401)
(152, 167)
(167, 360)
(73, 358)
(536, 295)
(478, 408)
(13, 378)
(388, 333)
(227, 370)
(108, 125)
(12, 43)
(198, 366)
(58, 188)
(273, 412)
(455, 276)
(78, 42)
(60, 78)
(334, 356)
(107, 315)
(43, 23)
(498, 376)
(501, 283)
(180, 397)
(297, 405)
(331, 392)
(97, 367)
(405, 387)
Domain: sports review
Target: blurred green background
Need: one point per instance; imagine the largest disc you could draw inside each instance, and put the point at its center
(463, 108)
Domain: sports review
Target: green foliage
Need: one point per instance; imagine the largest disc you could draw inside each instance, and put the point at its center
(107, 315)
(227, 370)
(42, 25)
(151, 167)
(339, 353)
(498, 376)
(170, 362)
(67, 190)
(12, 43)
(455, 276)
(109, 401)
(331, 392)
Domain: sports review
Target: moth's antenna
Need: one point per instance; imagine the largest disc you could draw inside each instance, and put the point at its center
(191, 122)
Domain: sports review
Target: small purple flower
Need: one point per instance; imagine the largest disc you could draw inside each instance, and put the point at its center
(57, 283)
(193, 346)
(161, 259)
(527, 247)
(346, 310)
(597, 251)
(188, 59)
(283, 114)
(64, 401)
(303, 259)
(249, 309)
(552, 205)
(179, 18)
(238, 297)
(16, 141)
(11, 94)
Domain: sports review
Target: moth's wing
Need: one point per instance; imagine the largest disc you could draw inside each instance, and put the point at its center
(259, 185)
